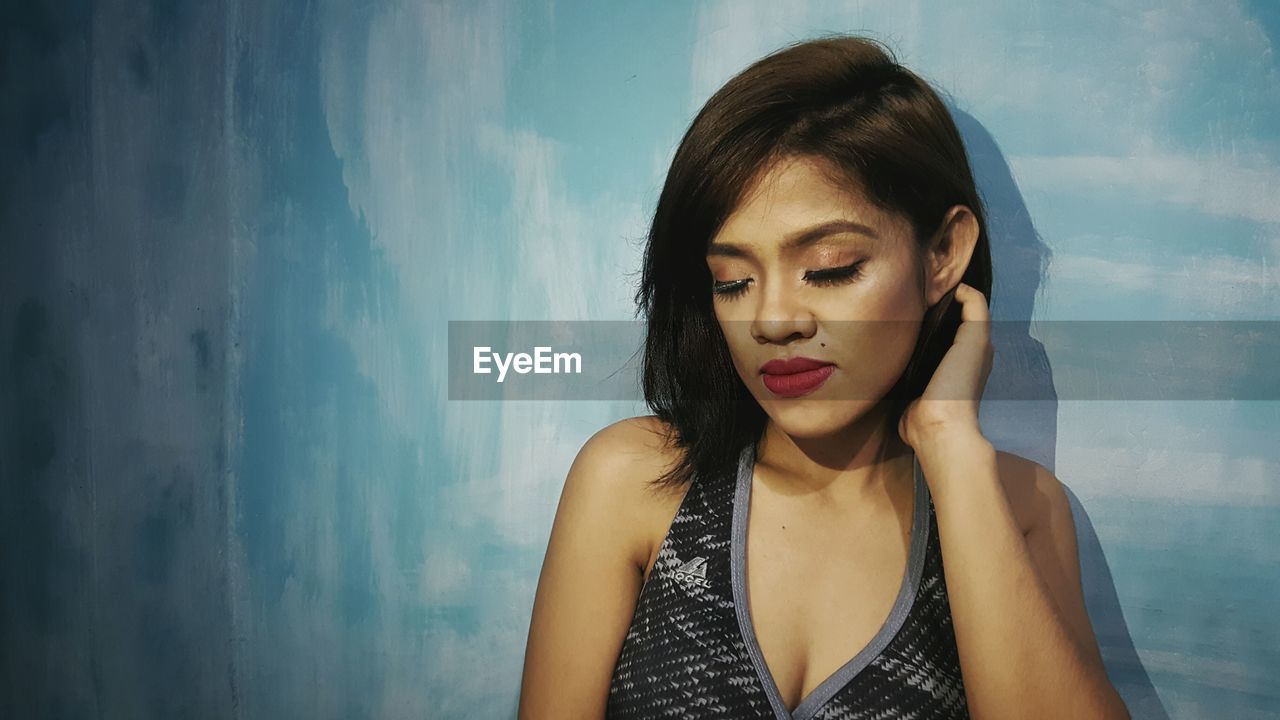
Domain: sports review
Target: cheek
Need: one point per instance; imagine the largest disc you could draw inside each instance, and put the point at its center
(873, 356)
(739, 352)
(875, 344)
(888, 290)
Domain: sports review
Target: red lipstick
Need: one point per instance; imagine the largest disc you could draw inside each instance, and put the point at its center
(795, 376)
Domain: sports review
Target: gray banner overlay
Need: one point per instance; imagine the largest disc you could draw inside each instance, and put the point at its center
(1047, 360)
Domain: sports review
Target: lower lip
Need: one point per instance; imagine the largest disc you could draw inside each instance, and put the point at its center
(797, 384)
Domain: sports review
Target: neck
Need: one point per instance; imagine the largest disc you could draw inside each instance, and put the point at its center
(859, 461)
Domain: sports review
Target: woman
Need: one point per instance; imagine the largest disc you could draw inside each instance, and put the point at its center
(815, 288)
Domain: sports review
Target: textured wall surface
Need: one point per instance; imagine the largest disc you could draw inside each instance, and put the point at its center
(232, 234)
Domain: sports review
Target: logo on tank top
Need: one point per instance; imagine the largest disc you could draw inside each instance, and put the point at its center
(693, 573)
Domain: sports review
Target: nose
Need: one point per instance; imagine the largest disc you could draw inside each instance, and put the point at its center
(780, 316)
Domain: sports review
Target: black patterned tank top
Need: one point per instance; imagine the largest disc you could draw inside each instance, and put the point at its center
(691, 650)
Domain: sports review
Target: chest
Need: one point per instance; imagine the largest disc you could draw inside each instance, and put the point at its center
(763, 610)
(821, 590)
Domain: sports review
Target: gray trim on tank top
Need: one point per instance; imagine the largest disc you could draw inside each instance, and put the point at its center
(824, 692)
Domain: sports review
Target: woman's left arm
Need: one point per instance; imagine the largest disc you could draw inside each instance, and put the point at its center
(1026, 647)
(1025, 644)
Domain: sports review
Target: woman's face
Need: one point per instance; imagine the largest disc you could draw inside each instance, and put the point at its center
(805, 268)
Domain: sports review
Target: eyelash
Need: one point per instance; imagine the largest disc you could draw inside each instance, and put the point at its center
(822, 278)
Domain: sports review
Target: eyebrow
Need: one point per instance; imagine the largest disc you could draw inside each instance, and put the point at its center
(797, 240)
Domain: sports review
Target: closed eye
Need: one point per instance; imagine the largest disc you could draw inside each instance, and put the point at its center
(827, 277)
(834, 276)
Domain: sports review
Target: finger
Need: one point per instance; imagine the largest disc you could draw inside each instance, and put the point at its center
(973, 303)
(975, 317)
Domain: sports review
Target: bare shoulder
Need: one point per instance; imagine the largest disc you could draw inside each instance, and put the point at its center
(1034, 492)
(631, 451)
(592, 572)
(622, 459)
(645, 440)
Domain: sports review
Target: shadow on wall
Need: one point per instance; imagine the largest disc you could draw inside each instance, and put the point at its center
(1029, 427)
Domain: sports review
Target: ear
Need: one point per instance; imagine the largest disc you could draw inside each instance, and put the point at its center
(948, 254)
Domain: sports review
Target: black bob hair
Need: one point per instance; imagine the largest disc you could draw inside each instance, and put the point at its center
(882, 129)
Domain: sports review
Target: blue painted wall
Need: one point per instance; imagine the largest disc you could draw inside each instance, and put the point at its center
(232, 234)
